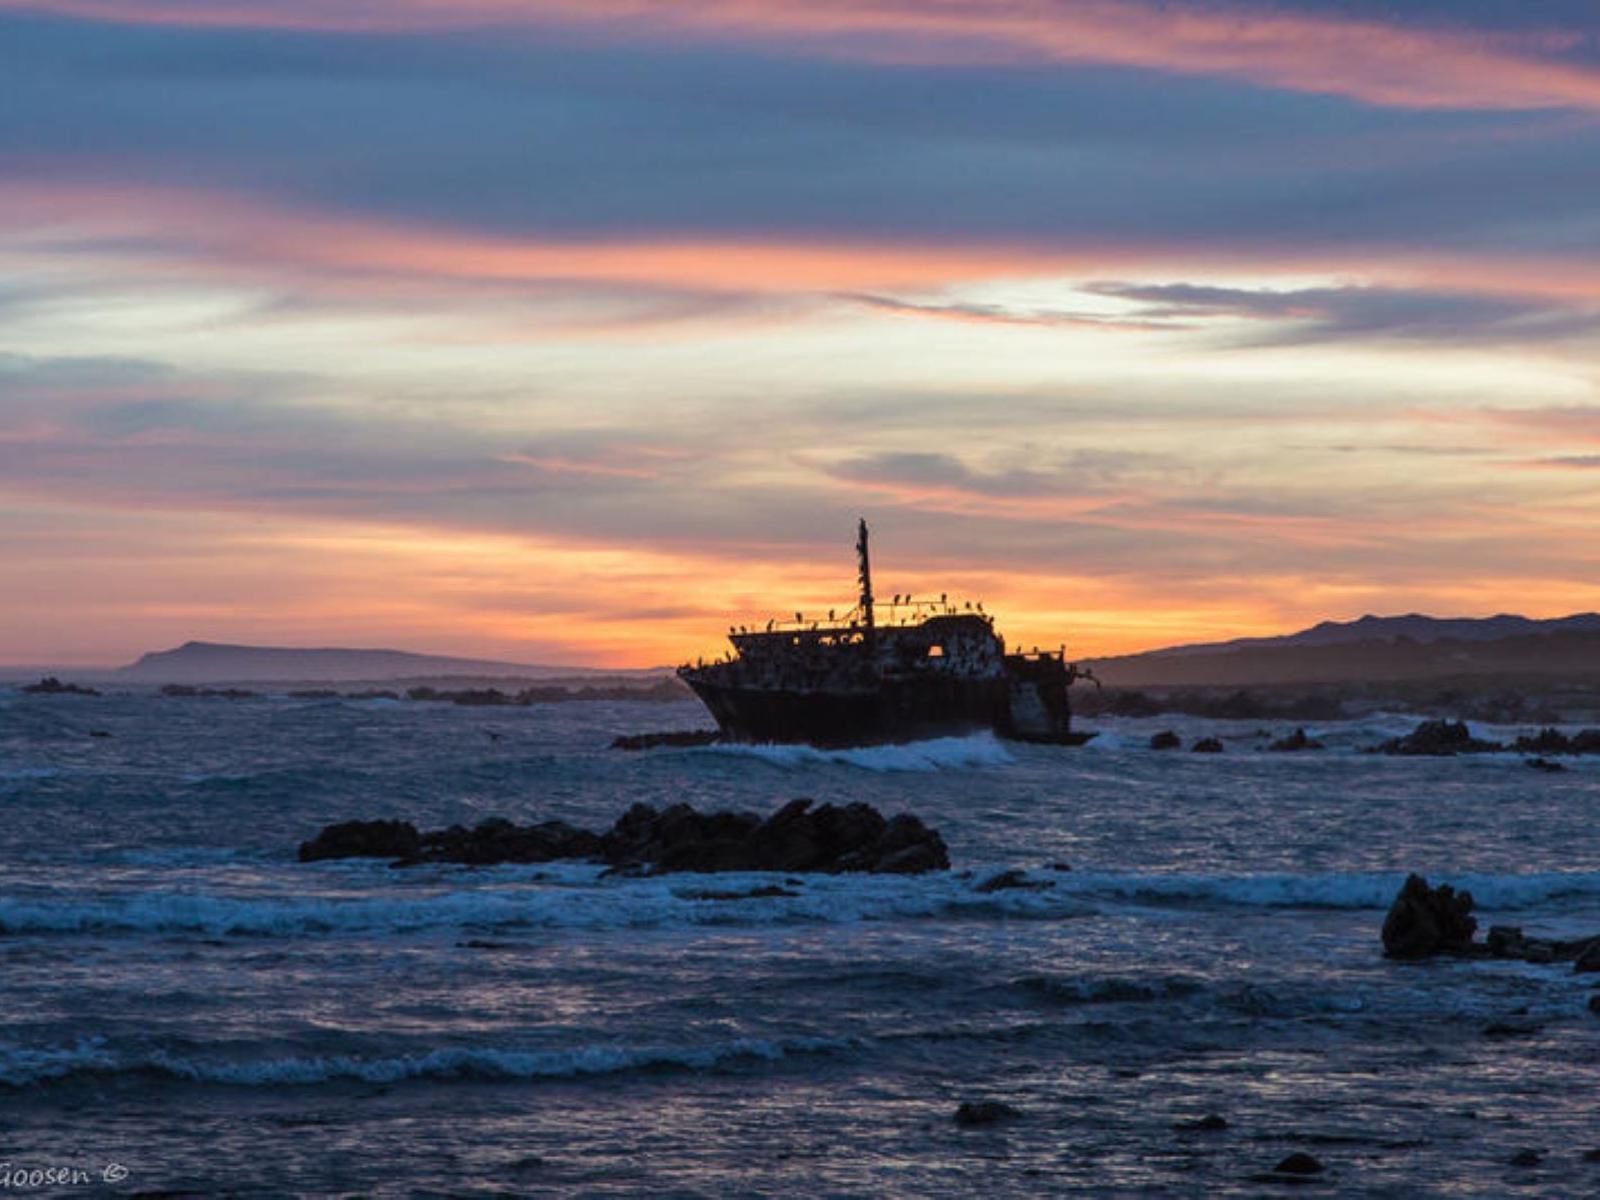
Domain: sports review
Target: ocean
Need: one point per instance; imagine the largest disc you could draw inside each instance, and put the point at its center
(189, 1009)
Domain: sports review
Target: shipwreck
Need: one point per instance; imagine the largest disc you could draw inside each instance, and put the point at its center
(925, 668)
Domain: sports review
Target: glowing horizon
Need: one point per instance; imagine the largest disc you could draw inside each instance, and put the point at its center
(586, 331)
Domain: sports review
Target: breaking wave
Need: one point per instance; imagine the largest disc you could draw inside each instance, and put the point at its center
(693, 901)
(22, 1067)
(935, 754)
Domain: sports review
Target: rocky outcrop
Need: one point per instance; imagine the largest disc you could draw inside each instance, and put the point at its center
(363, 839)
(1295, 741)
(1165, 740)
(1553, 741)
(829, 839)
(1425, 921)
(1207, 745)
(51, 686)
(1438, 739)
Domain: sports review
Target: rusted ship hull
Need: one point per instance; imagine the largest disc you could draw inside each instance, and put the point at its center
(932, 670)
(912, 711)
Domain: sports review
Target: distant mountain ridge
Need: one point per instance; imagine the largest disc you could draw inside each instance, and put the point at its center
(212, 662)
(1412, 647)
(1413, 626)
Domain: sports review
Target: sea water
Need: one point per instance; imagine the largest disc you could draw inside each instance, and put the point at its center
(187, 1007)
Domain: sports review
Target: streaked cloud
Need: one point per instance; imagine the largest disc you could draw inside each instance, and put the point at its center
(1445, 63)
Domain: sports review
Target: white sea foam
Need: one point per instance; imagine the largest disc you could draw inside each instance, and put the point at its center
(20, 1066)
(934, 754)
(570, 902)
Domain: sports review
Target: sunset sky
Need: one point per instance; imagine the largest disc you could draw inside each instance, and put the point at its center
(572, 331)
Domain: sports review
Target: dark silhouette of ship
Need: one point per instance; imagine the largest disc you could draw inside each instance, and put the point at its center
(933, 669)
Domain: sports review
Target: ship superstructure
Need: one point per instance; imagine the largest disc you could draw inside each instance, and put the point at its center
(923, 668)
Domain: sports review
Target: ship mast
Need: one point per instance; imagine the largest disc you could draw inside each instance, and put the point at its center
(866, 577)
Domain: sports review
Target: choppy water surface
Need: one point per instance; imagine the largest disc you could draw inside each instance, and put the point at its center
(187, 1002)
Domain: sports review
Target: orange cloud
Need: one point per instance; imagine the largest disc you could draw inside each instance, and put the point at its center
(1407, 66)
(209, 234)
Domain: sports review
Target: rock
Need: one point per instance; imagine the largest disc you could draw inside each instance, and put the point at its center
(1438, 739)
(1546, 741)
(362, 839)
(1526, 1158)
(1207, 745)
(1544, 764)
(651, 741)
(1509, 1029)
(1165, 740)
(1210, 1123)
(771, 891)
(1295, 741)
(985, 1112)
(1594, 1005)
(1299, 1163)
(51, 686)
(99, 733)
(797, 838)
(1591, 1156)
(1589, 957)
(1425, 921)
(1011, 879)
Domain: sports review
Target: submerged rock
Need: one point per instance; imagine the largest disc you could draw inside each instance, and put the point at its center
(985, 1112)
(1208, 745)
(1425, 921)
(1299, 1163)
(1165, 740)
(830, 839)
(650, 741)
(1210, 1123)
(1013, 880)
(1544, 764)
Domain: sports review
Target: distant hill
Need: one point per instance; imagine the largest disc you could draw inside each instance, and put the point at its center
(1412, 647)
(209, 662)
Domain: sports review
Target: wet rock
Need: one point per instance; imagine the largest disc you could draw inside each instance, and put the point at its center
(1553, 741)
(1526, 1158)
(677, 738)
(985, 1112)
(1591, 1156)
(771, 891)
(1594, 1005)
(99, 733)
(1299, 1163)
(1013, 879)
(1425, 921)
(1295, 741)
(1207, 745)
(1438, 739)
(498, 840)
(1165, 740)
(1210, 1123)
(362, 839)
(1589, 957)
(798, 838)
(1544, 764)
